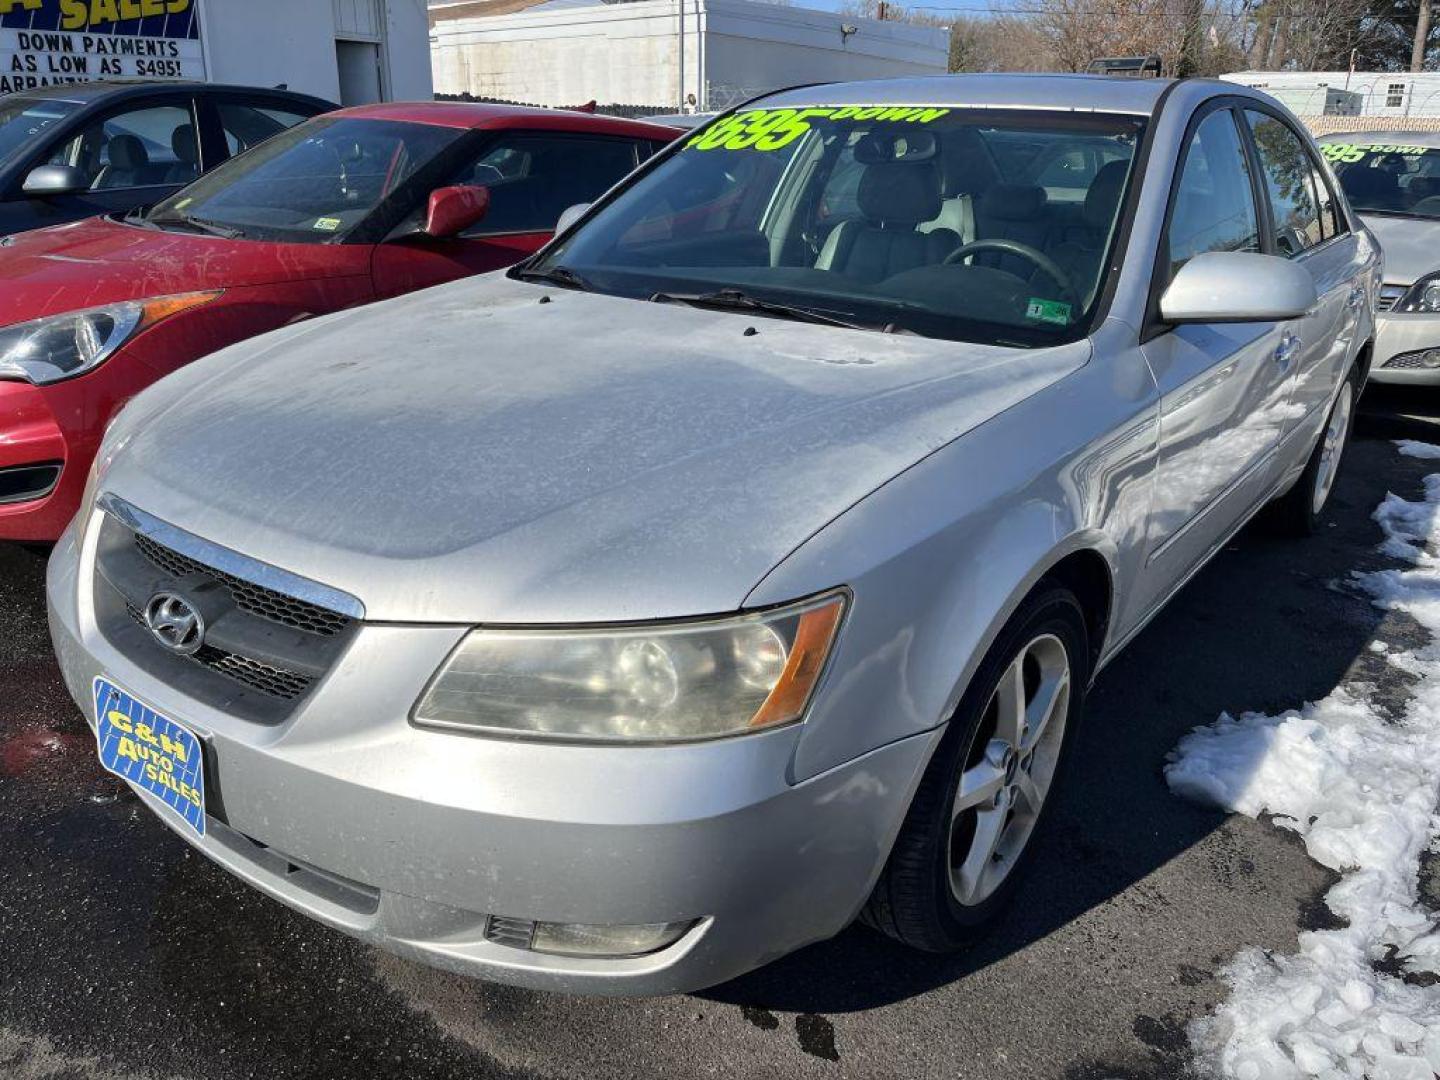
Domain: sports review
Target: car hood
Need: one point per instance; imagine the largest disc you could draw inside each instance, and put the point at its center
(493, 451)
(101, 261)
(1411, 246)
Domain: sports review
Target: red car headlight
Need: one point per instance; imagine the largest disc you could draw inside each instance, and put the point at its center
(62, 346)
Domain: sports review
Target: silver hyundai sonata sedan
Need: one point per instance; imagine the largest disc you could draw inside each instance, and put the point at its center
(738, 565)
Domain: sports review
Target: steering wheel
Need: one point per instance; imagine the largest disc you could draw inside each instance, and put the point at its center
(1013, 247)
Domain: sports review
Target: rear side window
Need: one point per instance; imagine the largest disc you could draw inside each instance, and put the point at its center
(1214, 207)
(1289, 174)
(534, 178)
(247, 125)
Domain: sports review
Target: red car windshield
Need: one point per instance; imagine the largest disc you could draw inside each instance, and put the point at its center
(315, 183)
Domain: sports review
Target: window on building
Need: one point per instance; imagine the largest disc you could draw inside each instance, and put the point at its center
(1395, 95)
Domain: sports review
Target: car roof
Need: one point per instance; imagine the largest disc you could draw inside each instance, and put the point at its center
(1078, 93)
(1395, 137)
(86, 93)
(463, 114)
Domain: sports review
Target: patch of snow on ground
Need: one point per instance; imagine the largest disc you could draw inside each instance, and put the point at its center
(1360, 787)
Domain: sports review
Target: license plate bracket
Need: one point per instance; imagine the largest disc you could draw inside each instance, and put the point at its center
(156, 754)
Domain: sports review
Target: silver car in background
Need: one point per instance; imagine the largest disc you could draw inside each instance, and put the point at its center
(1392, 180)
(738, 565)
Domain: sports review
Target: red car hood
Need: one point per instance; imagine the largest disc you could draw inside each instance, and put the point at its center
(99, 261)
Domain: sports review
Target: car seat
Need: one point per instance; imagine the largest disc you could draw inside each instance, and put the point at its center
(186, 146)
(1012, 212)
(1080, 251)
(129, 164)
(895, 195)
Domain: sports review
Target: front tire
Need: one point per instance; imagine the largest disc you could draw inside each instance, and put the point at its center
(971, 827)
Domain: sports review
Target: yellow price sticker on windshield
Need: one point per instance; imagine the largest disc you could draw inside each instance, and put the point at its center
(1349, 153)
(772, 129)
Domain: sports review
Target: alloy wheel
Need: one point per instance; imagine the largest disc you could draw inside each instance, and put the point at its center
(1009, 770)
(1332, 447)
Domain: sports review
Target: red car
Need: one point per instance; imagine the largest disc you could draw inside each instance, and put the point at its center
(347, 208)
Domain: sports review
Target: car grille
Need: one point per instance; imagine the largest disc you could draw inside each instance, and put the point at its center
(263, 650)
(1389, 296)
(256, 599)
(275, 681)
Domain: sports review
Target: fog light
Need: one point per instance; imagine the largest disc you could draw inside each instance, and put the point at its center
(590, 939)
(1425, 359)
(585, 939)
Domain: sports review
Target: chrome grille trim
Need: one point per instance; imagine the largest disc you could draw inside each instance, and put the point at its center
(232, 563)
(1389, 296)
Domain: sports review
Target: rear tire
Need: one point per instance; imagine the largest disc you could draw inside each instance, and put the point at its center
(1300, 510)
(983, 799)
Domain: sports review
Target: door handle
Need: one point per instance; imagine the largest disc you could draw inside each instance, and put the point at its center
(1286, 351)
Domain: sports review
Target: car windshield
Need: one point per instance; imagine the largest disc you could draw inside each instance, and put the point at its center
(22, 119)
(315, 183)
(1389, 178)
(980, 226)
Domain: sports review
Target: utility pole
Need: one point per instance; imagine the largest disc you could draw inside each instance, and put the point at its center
(1422, 36)
(881, 14)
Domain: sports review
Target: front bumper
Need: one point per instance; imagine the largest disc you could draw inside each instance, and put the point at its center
(33, 439)
(1398, 335)
(410, 839)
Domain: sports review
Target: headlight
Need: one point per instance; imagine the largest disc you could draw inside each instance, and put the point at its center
(1422, 298)
(59, 346)
(685, 681)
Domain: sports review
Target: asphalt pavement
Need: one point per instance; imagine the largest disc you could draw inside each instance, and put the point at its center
(124, 955)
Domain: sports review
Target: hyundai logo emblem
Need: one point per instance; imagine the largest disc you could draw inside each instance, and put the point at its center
(175, 623)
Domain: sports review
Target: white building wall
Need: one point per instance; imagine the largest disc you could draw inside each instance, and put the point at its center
(629, 53)
(269, 42)
(1381, 93)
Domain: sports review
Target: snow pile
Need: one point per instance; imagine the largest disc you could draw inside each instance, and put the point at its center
(1361, 789)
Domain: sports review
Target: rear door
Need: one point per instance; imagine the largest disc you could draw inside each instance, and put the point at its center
(1225, 387)
(133, 154)
(533, 177)
(1308, 227)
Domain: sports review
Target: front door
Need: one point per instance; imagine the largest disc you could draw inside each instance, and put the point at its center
(132, 157)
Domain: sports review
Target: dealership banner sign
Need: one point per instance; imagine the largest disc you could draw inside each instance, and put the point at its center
(43, 42)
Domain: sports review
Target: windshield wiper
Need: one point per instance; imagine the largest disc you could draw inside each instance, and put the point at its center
(213, 228)
(562, 276)
(739, 300)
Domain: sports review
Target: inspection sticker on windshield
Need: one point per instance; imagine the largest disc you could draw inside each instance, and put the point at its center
(326, 224)
(1051, 311)
(771, 129)
(152, 751)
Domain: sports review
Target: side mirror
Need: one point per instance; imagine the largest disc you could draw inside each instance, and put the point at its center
(1238, 287)
(452, 210)
(571, 215)
(55, 180)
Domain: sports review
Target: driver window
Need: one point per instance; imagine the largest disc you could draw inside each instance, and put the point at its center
(139, 148)
(1214, 205)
